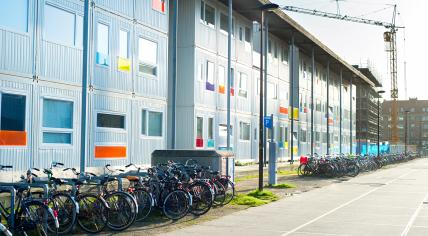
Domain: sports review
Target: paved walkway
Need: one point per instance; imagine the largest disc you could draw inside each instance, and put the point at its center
(388, 202)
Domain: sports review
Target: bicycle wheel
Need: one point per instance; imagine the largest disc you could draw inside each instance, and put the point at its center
(177, 204)
(202, 198)
(229, 188)
(145, 203)
(35, 218)
(122, 210)
(66, 207)
(92, 213)
(220, 193)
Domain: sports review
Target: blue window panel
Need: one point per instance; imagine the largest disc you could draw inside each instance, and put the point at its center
(14, 14)
(59, 25)
(210, 143)
(50, 137)
(12, 112)
(102, 59)
(79, 31)
(155, 124)
(57, 114)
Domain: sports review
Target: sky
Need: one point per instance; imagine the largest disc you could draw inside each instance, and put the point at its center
(358, 43)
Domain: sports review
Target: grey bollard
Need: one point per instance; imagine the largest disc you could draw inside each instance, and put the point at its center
(272, 163)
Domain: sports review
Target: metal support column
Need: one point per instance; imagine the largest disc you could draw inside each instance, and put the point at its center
(350, 117)
(378, 125)
(312, 101)
(340, 111)
(261, 106)
(328, 107)
(291, 68)
(265, 62)
(85, 75)
(174, 73)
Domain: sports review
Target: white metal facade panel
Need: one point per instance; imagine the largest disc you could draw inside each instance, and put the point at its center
(122, 7)
(19, 157)
(110, 77)
(64, 153)
(16, 48)
(145, 14)
(146, 85)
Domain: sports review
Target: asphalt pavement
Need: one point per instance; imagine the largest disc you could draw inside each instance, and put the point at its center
(391, 201)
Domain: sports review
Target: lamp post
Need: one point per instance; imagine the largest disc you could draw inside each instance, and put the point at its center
(405, 132)
(378, 120)
(263, 9)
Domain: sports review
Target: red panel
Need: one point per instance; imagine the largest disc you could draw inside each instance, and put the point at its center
(159, 5)
(283, 110)
(13, 138)
(110, 151)
(199, 142)
(232, 91)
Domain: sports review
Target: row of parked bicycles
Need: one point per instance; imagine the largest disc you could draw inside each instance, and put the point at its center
(348, 165)
(53, 205)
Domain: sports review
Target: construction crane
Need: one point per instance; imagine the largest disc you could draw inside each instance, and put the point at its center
(391, 48)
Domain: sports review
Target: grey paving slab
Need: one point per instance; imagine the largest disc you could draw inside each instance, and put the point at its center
(386, 202)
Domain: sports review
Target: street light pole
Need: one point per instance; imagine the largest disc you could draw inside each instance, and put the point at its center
(266, 7)
(378, 121)
(405, 132)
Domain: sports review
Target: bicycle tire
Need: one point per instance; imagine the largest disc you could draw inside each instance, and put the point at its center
(229, 187)
(202, 198)
(67, 211)
(122, 211)
(220, 193)
(92, 213)
(177, 204)
(35, 218)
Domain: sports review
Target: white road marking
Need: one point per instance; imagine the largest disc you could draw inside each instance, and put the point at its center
(413, 218)
(345, 204)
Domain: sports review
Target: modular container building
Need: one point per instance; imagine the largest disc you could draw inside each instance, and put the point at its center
(202, 73)
(41, 56)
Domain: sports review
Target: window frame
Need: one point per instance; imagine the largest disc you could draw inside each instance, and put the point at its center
(203, 16)
(241, 76)
(241, 134)
(57, 130)
(128, 53)
(147, 136)
(107, 129)
(70, 11)
(27, 31)
(145, 63)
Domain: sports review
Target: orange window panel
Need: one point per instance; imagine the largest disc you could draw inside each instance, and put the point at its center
(13, 138)
(110, 151)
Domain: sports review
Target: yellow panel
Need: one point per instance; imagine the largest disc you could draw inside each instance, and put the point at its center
(123, 64)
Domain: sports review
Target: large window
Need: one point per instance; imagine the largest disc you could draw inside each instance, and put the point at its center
(147, 56)
(14, 14)
(105, 120)
(210, 128)
(244, 131)
(242, 85)
(57, 121)
(207, 14)
(271, 91)
(102, 56)
(284, 55)
(248, 39)
(152, 123)
(199, 127)
(60, 26)
(210, 72)
(224, 24)
(303, 136)
(12, 112)
(123, 44)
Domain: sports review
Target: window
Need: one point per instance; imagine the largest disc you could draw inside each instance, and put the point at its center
(221, 75)
(199, 128)
(271, 91)
(200, 72)
(275, 51)
(242, 85)
(12, 112)
(123, 44)
(151, 123)
(281, 135)
(284, 55)
(244, 131)
(241, 38)
(210, 128)
(303, 136)
(222, 130)
(159, 5)
(247, 39)
(57, 121)
(317, 137)
(13, 14)
(79, 31)
(270, 46)
(147, 56)
(224, 24)
(210, 72)
(102, 57)
(207, 14)
(59, 31)
(110, 121)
